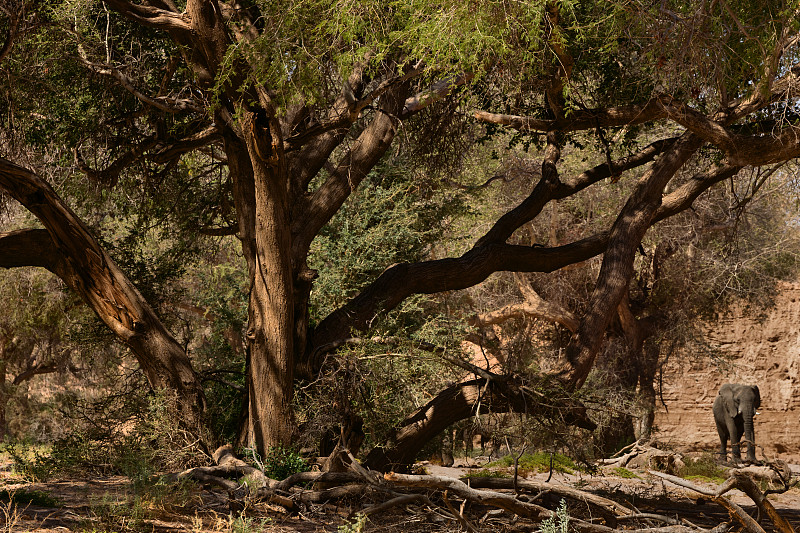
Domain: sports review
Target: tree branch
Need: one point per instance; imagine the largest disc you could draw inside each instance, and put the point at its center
(176, 149)
(580, 120)
(153, 17)
(31, 247)
(109, 176)
(534, 306)
(164, 103)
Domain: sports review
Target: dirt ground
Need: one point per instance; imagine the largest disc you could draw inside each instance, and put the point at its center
(113, 504)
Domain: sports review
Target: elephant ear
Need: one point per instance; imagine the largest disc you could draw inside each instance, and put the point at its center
(729, 401)
(757, 399)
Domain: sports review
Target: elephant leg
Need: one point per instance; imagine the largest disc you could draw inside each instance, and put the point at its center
(736, 430)
(722, 431)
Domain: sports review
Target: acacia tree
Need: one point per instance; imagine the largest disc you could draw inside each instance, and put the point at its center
(300, 101)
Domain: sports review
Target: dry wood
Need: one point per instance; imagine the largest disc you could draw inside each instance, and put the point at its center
(458, 514)
(746, 484)
(496, 499)
(321, 477)
(562, 490)
(405, 499)
(225, 458)
(334, 493)
(735, 510)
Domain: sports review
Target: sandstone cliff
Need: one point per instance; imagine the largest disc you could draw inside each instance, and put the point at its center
(763, 351)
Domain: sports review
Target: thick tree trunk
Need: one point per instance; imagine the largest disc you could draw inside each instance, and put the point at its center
(271, 331)
(88, 270)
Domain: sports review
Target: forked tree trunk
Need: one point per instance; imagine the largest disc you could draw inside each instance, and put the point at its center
(616, 271)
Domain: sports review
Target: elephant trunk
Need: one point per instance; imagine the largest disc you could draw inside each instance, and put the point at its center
(749, 433)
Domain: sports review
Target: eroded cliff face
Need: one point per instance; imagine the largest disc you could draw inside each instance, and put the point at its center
(761, 351)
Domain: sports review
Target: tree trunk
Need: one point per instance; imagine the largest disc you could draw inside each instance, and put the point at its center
(88, 270)
(271, 419)
(3, 390)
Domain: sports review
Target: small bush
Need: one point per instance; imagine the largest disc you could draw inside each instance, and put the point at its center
(485, 472)
(538, 462)
(703, 467)
(279, 462)
(558, 523)
(356, 526)
(29, 497)
(625, 473)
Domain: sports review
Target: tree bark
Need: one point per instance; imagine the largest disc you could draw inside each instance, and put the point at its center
(88, 270)
(271, 332)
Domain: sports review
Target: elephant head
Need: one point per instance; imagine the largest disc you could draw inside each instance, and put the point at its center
(734, 410)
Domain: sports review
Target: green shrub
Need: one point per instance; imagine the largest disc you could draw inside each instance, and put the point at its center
(704, 467)
(279, 462)
(625, 473)
(558, 523)
(485, 472)
(355, 526)
(538, 462)
(29, 497)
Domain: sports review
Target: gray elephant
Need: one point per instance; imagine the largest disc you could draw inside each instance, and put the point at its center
(734, 409)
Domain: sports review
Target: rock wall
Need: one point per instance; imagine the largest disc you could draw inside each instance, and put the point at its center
(745, 349)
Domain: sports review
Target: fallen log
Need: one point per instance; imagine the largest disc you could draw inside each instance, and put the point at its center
(736, 512)
(562, 490)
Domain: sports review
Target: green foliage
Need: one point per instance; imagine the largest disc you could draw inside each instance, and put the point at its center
(357, 525)
(485, 472)
(558, 522)
(625, 473)
(152, 441)
(29, 497)
(279, 463)
(393, 217)
(538, 462)
(704, 467)
(246, 524)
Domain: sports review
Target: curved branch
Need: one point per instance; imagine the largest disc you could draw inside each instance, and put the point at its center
(587, 119)
(463, 400)
(533, 306)
(109, 176)
(428, 277)
(549, 188)
(353, 167)
(89, 270)
(152, 16)
(617, 269)
(176, 149)
(164, 103)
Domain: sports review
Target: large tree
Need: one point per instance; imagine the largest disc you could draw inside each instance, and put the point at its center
(299, 101)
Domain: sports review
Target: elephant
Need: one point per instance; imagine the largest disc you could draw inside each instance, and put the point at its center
(734, 409)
